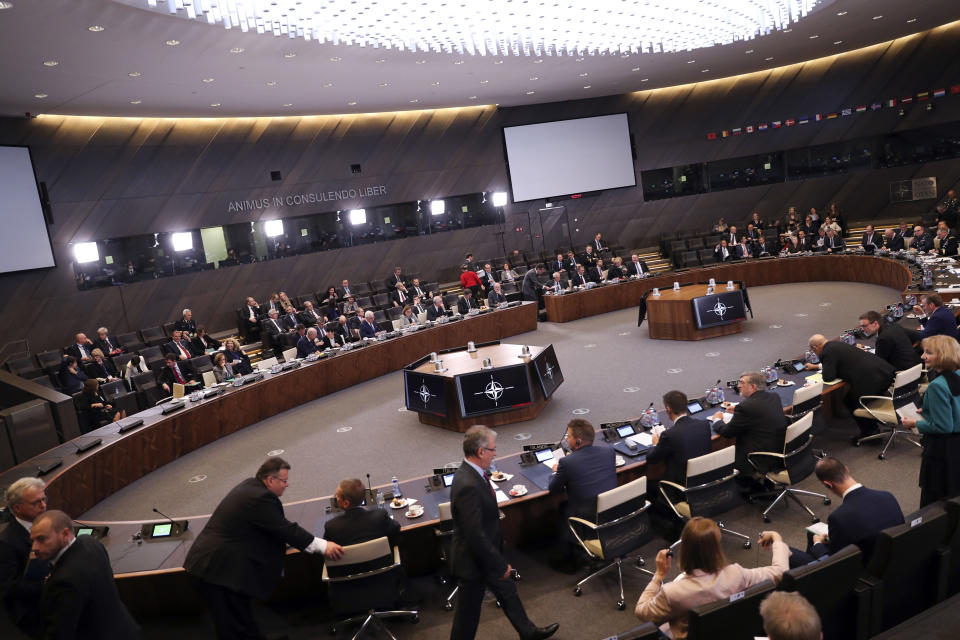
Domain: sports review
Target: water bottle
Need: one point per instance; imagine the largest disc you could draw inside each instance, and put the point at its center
(380, 499)
(396, 487)
(721, 395)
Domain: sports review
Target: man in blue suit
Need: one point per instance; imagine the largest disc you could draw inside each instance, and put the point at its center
(584, 474)
(863, 514)
(687, 438)
(939, 320)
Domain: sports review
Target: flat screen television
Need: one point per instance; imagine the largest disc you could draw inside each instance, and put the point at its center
(425, 393)
(564, 157)
(548, 371)
(718, 309)
(493, 390)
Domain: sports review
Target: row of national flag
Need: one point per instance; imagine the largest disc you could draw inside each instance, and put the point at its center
(848, 111)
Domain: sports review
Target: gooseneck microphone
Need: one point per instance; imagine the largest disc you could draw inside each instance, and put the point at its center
(172, 521)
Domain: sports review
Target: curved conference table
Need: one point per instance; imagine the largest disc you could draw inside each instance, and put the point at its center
(147, 568)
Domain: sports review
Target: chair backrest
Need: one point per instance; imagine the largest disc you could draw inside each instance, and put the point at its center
(807, 399)
(23, 364)
(289, 354)
(446, 513)
(798, 455)
(909, 559)
(829, 585)
(734, 618)
(199, 364)
(143, 381)
(151, 354)
(367, 576)
(113, 389)
(265, 364)
(622, 500)
(711, 488)
(907, 382)
(49, 360)
(623, 519)
(121, 359)
(154, 335)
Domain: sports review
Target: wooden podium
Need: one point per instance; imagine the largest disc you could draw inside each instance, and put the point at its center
(670, 315)
(462, 362)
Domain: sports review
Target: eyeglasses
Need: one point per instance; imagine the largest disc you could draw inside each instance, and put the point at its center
(280, 479)
(494, 449)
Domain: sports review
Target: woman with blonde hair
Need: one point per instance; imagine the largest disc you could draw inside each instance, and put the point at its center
(940, 421)
(706, 577)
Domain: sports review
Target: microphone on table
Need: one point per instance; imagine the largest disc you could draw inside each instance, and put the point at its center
(369, 498)
(172, 521)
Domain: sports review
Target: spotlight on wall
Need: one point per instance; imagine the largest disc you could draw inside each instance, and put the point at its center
(86, 252)
(437, 207)
(273, 228)
(182, 241)
(902, 112)
(499, 198)
(929, 107)
(358, 216)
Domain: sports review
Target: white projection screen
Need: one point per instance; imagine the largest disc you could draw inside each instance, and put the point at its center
(24, 242)
(569, 156)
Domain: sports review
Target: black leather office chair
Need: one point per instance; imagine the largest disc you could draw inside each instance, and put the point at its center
(833, 587)
(49, 361)
(907, 572)
(444, 534)
(706, 256)
(689, 259)
(883, 409)
(734, 618)
(154, 336)
(24, 366)
(795, 464)
(367, 578)
(710, 490)
(130, 341)
(622, 526)
(952, 507)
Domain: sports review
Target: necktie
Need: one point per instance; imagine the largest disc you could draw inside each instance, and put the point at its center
(183, 351)
(83, 351)
(486, 478)
(275, 325)
(400, 295)
(176, 372)
(109, 344)
(556, 287)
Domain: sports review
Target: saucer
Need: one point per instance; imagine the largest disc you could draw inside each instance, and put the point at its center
(621, 461)
(416, 514)
(518, 494)
(502, 477)
(403, 500)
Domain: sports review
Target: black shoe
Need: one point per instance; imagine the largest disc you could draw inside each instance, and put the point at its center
(543, 632)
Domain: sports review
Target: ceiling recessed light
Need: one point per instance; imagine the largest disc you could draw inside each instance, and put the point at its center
(214, 104)
(814, 37)
(134, 74)
(237, 50)
(769, 59)
(271, 83)
(498, 62)
(484, 82)
(40, 96)
(327, 85)
(336, 59)
(583, 75)
(288, 104)
(172, 43)
(51, 63)
(579, 60)
(435, 84)
(644, 79)
(878, 17)
(704, 70)
(458, 62)
(421, 62)
(911, 20)
(635, 69)
(534, 78)
(538, 61)
(136, 101)
(841, 13)
(471, 97)
(530, 93)
(690, 61)
(4, 4)
(380, 60)
(290, 55)
(586, 86)
(748, 51)
(352, 103)
(787, 30)
(96, 28)
(383, 84)
(838, 42)
(624, 55)
(207, 80)
(414, 101)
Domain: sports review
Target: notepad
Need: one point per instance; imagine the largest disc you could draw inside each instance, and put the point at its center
(557, 454)
(818, 377)
(643, 439)
(819, 529)
(909, 411)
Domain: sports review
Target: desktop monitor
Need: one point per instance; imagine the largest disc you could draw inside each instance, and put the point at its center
(493, 390)
(719, 309)
(548, 371)
(425, 393)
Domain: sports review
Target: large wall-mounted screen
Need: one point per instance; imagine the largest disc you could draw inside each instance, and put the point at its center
(24, 242)
(559, 158)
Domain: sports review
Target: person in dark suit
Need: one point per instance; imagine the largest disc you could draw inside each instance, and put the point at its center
(946, 243)
(271, 329)
(863, 514)
(531, 288)
(579, 277)
(79, 598)
(595, 273)
(938, 321)
(761, 248)
(758, 424)
(202, 342)
(239, 553)
(687, 438)
(21, 575)
(186, 324)
(637, 267)
(616, 270)
(101, 367)
(437, 309)
(81, 349)
(93, 409)
(466, 303)
(589, 257)
(496, 296)
(744, 249)
(870, 238)
(179, 346)
(477, 548)
(395, 279)
(892, 241)
(105, 343)
(238, 360)
(345, 289)
(368, 328)
(893, 343)
(251, 314)
(175, 372)
(400, 296)
(309, 343)
(570, 263)
(599, 244)
(332, 339)
(921, 239)
(488, 277)
(866, 374)
(71, 378)
(833, 242)
(356, 524)
(289, 321)
(722, 252)
(803, 242)
(309, 317)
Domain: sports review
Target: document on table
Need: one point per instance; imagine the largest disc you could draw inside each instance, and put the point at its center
(818, 377)
(557, 454)
(643, 439)
(909, 411)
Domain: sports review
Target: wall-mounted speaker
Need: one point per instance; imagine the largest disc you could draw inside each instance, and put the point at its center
(276, 176)
(45, 203)
(355, 168)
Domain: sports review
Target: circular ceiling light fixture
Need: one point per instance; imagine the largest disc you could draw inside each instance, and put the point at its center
(510, 27)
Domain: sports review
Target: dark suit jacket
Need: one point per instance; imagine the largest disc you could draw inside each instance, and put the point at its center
(576, 280)
(948, 246)
(171, 347)
(895, 346)
(595, 274)
(166, 374)
(184, 325)
(104, 369)
(20, 585)
(271, 329)
(584, 474)
(866, 374)
(464, 305)
(718, 254)
(289, 322)
(744, 251)
(242, 545)
(687, 438)
(893, 244)
(874, 238)
(631, 268)
(392, 281)
(343, 331)
(200, 346)
(368, 330)
(863, 514)
(838, 242)
(74, 350)
(356, 525)
(433, 313)
(530, 285)
(923, 243)
(305, 347)
(395, 298)
(495, 298)
(80, 599)
(477, 549)
(239, 361)
(613, 271)
(942, 321)
(70, 383)
(337, 341)
(104, 346)
(308, 320)
(758, 424)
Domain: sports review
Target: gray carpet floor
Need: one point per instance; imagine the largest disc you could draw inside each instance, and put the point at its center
(611, 368)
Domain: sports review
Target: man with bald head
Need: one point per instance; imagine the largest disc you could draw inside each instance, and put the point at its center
(80, 599)
(866, 373)
(308, 343)
(81, 349)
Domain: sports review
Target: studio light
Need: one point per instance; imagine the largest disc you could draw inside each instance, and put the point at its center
(182, 241)
(273, 228)
(509, 27)
(358, 216)
(499, 198)
(86, 252)
(437, 207)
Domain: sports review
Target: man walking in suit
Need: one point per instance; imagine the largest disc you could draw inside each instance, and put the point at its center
(867, 375)
(356, 524)
(239, 553)
(863, 514)
(531, 287)
(584, 474)
(758, 424)
(21, 577)
(687, 438)
(80, 599)
(477, 550)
